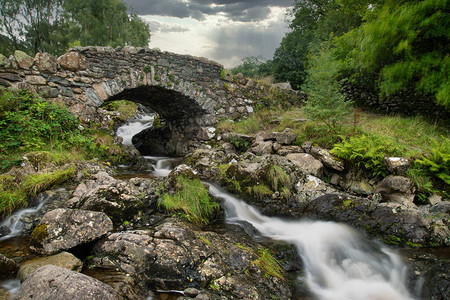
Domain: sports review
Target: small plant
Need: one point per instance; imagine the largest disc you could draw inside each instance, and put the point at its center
(259, 191)
(366, 152)
(156, 77)
(265, 261)
(171, 78)
(240, 144)
(437, 163)
(147, 69)
(192, 199)
(278, 178)
(36, 183)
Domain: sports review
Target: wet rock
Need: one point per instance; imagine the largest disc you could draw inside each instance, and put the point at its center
(436, 284)
(8, 268)
(63, 229)
(396, 165)
(176, 256)
(4, 230)
(205, 161)
(393, 222)
(396, 189)
(307, 164)
(52, 282)
(64, 260)
(116, 198)
(327, 159)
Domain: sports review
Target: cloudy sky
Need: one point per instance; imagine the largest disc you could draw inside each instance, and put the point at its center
(222, 30)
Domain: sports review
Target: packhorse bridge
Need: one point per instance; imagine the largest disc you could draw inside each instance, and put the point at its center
(190, 94)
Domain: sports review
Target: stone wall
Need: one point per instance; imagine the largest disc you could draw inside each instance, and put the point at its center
(190, 93)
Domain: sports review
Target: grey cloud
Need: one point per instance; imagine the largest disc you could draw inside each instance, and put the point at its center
(236, 10)
(240, 41)
(156, 27)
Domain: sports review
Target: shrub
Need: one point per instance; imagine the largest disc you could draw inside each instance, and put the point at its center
(193, 199)
(366, 151)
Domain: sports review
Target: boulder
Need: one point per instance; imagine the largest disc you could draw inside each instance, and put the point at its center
(396, 165)
(64, 260)
(284, 138)
(63, 229)
(307, 164)
(261, 148)
(52, 282)
(117, 198)
(327, 159)
(8, 266)
(396, 189)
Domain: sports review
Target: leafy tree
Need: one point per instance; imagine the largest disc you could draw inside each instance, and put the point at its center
(313, 22)
(405, 46)
(105, 23)
(325, 103)
(253, 67)
(52, 25)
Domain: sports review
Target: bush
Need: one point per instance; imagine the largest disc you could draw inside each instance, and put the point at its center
(367, 152)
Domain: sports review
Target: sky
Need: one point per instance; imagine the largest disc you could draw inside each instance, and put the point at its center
(225, 31)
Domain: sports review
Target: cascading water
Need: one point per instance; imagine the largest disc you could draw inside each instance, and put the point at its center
(128, 130)
(340, 264)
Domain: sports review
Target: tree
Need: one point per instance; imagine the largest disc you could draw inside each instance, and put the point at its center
(405, 46)
(52, 25)
(313, 22)
(105, 23)
(253, 67)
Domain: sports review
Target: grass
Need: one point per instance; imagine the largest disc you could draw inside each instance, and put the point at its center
(265, 261)
(193, 200)
(410, 133)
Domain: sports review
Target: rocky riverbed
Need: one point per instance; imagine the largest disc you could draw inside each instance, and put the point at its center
(127, 247)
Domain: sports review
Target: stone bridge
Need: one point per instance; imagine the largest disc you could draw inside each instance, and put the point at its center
(190, 94)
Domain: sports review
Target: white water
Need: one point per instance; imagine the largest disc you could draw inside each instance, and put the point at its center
(128, 130)
(340, 264)
(14, 223)
(163, 165)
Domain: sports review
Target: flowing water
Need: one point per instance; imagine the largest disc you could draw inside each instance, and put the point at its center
(128, 130)
(340, 264)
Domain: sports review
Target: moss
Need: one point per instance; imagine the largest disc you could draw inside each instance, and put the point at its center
(39, 234)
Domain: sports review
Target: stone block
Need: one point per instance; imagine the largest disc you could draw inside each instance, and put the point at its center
(45, 63)
(23, 60)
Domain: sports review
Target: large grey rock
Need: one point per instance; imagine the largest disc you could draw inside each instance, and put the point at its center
(396, 165)
(56, 283)
(45, 62)
(23, 60)
(64, 260)
(307, 164)
(327, 159)
(63, 229)
(396, 189)
(8, 267)
(73, 61)
(116, 198)
(261, 148)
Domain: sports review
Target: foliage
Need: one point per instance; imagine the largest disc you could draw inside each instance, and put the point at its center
(28, 124)
(313, 21)
(36, 183)
(278, 178)
(253, 67)
(53, 25)
(259, 191)
(405, 45)
(193, 199)
(265, 261)
(241, 144)
(437, 163)
(127, 109)
(366, 151)
(325, 102)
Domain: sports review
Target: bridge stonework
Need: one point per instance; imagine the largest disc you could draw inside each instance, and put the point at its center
(191, 94)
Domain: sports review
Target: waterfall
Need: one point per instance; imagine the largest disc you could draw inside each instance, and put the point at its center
(340, 264)
(128, 130)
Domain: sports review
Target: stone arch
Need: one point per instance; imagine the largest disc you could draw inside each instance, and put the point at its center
(182, 119)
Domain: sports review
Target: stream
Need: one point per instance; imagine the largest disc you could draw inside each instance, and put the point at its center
(340, 263)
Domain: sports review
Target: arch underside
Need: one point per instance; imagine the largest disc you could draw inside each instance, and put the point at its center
(170, 105)
(181, 120)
